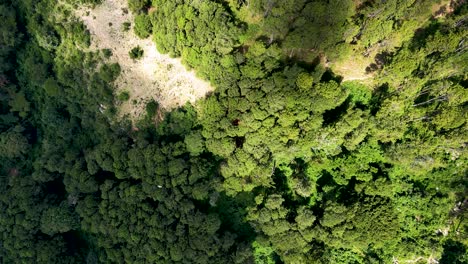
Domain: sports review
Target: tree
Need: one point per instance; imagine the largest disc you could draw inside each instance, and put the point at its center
(13, 145)
(20, 104)
(454, 252)
(304, 81)
(8, 33)
(143, 26)
(109, 72)
(124, 96)
(305, 218)
(195, 143)
(59, 219)
(278, 164)
(51, 87)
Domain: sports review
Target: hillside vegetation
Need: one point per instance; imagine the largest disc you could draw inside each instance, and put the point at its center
(151, 76)
(336, 133)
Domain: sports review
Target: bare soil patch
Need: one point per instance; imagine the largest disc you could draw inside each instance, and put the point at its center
(354, 68)
(153, 77)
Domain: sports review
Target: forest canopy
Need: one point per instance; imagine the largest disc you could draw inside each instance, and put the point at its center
(336, 133)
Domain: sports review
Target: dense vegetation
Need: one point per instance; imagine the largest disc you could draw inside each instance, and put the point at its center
(283, 163)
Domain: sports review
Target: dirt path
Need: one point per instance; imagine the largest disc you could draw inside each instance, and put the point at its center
(155, 76)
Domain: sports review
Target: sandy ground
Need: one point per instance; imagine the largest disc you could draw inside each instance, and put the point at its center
(155, 76)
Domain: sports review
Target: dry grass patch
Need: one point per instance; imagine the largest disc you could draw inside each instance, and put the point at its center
(155, 76)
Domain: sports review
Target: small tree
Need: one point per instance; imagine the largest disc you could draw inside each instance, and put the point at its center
(304, 81)
(126, 26)
(151, 108)
(59, 219)
(143, 26)
(195, 143)
(138, 5)
(20, 104)
(13, 145)
(124, 96)
(51, 87)
(107, 53)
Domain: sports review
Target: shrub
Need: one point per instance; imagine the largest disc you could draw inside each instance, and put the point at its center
(124, 96)
(109, 72)
(304, 81)
(126, 26)
(136, 53)
(151, 108)
(51, 87)
(138, 5)
(143, 26)
(80, 34)
(59, 219)
(107, 53)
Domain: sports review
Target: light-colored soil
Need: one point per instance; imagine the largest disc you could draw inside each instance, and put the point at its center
(155, 76)
(442, 9)
(353, 68)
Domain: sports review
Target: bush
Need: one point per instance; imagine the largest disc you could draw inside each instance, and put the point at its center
(151, 108)
(107, 53)
(51, 87)
(136, 53)
(358, 92)
(143, 26)
(138, 5)
(194, 143)
(109, 72)
(80, 34)
(124, 96)
(126, 26)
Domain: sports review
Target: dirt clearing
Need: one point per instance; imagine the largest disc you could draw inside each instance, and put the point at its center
(154, 76)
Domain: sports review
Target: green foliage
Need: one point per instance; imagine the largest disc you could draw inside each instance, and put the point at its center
(13, 145)
(107, 53)
(58, 219)
(19, 104)
(124, 96)
(304, 81)
(143, 26)
(359, 93)
(152, 108)
(280, 164)
(328, 96)
(8, 38)
(137, 6)
(126, 26)
(263, 255)
(109, 72)
(136, 53)
(51, 87)
(195, 143)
